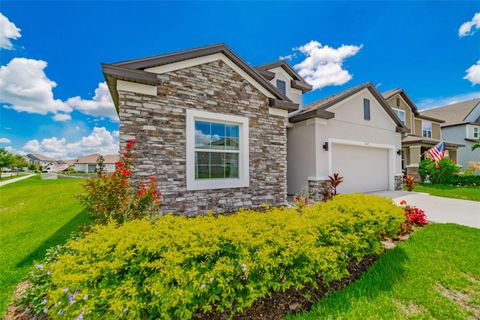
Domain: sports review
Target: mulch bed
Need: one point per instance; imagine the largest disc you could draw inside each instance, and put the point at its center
(281, 303)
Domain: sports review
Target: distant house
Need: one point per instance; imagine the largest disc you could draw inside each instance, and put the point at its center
(39, 159)
(89, 163)
(462, 125)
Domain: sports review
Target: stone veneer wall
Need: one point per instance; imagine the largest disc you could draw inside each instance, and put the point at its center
(159, 124)
(398, 182)
(315, 188)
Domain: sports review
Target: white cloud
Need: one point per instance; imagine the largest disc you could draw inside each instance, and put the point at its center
(323, 65)
(288, 57)
(5, 140)
(100, 140)
(470, 27)
(25, 87)
(8, 31)
(62, 117)
(473, 73)
(100, 106)
(443, 101)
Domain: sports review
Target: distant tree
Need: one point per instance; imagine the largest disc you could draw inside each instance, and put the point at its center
(6, 159)
(476, 145)
(18, 162)
(100, 165)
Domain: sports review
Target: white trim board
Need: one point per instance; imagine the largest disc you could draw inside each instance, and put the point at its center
(206, 59)
(244, 161)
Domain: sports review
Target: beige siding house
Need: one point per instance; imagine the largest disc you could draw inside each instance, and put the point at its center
(88, 163)
(423, 132)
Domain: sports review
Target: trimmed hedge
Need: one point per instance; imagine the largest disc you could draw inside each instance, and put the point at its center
(178, 267)
(464, 180)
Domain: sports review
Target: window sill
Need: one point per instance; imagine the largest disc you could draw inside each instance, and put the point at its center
(209, 184)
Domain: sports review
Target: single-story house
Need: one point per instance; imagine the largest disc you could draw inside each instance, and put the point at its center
(461, 125)
(423, 132)
(213, 130)
(89, 163)
(39, 159)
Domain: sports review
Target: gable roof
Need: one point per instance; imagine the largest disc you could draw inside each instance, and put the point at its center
(454, 114)
(133, 70)
(391, 93)
(92, 158)
(40, 157)
(297, 82)
(323, 104)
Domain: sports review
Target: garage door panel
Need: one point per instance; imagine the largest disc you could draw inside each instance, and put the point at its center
(364, 168)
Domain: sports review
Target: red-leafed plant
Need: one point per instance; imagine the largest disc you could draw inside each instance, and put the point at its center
(114, 196)
(335, 181)
(415, 216)
(409, 183)
(300, 202)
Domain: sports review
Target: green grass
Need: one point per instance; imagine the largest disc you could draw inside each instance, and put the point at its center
(13, 177)
(406, 282)
(35, 214)
(449, 191)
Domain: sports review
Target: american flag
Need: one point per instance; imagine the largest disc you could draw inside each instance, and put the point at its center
(437, 152)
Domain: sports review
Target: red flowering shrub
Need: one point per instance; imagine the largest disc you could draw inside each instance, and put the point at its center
(415, 216)
(114, 196)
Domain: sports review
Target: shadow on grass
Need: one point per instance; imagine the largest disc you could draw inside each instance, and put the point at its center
(380, 277)
(59, 237)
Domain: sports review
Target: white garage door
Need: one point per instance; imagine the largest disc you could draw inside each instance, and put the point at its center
(364, 168)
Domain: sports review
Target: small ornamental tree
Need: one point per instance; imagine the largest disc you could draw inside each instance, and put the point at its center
(114, 196)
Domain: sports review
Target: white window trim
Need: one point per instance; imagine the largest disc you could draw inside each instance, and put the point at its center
(477, 129)
(404, 115)
(244, 163)
(431, 129)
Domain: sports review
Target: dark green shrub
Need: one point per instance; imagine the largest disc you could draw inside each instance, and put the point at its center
(464, 180)
(440, 173)
(178, 266)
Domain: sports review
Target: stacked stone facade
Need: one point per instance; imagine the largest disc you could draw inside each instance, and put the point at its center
(316, 187)
(158, 123)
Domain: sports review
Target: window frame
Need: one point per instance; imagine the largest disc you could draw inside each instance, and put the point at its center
(477, 131)
(397, 110)
(285, 86)
(367, 116)
(243, 159)
(423, 130)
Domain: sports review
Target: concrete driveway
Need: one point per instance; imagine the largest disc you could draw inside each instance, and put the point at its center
(440, 209)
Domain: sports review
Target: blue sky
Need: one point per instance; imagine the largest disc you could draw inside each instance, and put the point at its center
(413, 45)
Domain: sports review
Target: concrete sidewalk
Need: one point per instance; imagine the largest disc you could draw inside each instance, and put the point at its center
(2, 183)
(440, 209)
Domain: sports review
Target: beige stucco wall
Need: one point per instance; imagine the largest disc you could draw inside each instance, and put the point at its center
(418, 127)
(294, 94)
(347, 125)
(300, 156)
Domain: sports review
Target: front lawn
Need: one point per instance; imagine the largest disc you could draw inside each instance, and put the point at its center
(433, 275)
(35, 214)
(449, 191)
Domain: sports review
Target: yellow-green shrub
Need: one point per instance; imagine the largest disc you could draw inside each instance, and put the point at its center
(178, 265)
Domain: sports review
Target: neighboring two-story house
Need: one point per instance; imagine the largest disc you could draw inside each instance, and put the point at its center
(423, 132)
(39, 159)
(461, 125)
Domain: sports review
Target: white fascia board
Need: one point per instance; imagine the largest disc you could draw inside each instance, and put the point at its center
(136, 87)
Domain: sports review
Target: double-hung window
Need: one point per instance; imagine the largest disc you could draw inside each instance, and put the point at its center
(217, 151)
(400, 113)
(476, 132)
(426, 129)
